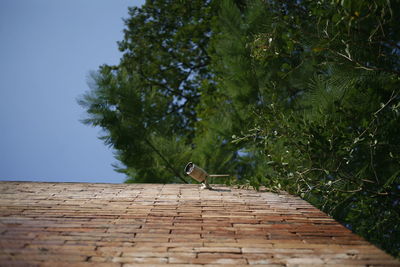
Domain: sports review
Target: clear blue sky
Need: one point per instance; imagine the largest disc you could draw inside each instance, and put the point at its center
(47, 49)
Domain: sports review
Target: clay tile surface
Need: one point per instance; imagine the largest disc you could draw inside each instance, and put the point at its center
(77, 224)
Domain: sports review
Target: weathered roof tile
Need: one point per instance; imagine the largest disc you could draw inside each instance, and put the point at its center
(78, 224)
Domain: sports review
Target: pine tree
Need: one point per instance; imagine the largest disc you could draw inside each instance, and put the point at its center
(322, 80)
(146, 105)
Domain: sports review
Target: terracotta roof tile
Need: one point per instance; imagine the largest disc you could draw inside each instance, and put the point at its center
(77, 224)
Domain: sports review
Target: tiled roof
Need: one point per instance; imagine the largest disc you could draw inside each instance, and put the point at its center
(77, 224)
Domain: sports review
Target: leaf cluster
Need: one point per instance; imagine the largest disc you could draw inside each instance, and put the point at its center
(325, 120)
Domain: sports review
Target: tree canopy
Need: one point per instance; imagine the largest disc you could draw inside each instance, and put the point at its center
(301, 96)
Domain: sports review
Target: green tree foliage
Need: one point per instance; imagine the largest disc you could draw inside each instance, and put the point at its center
(322, 80)
(146, 105)
(295, 95)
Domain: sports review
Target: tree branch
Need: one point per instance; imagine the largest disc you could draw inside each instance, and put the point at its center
(169, 166)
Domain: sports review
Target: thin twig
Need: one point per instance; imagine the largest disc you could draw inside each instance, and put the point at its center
(169, 166)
